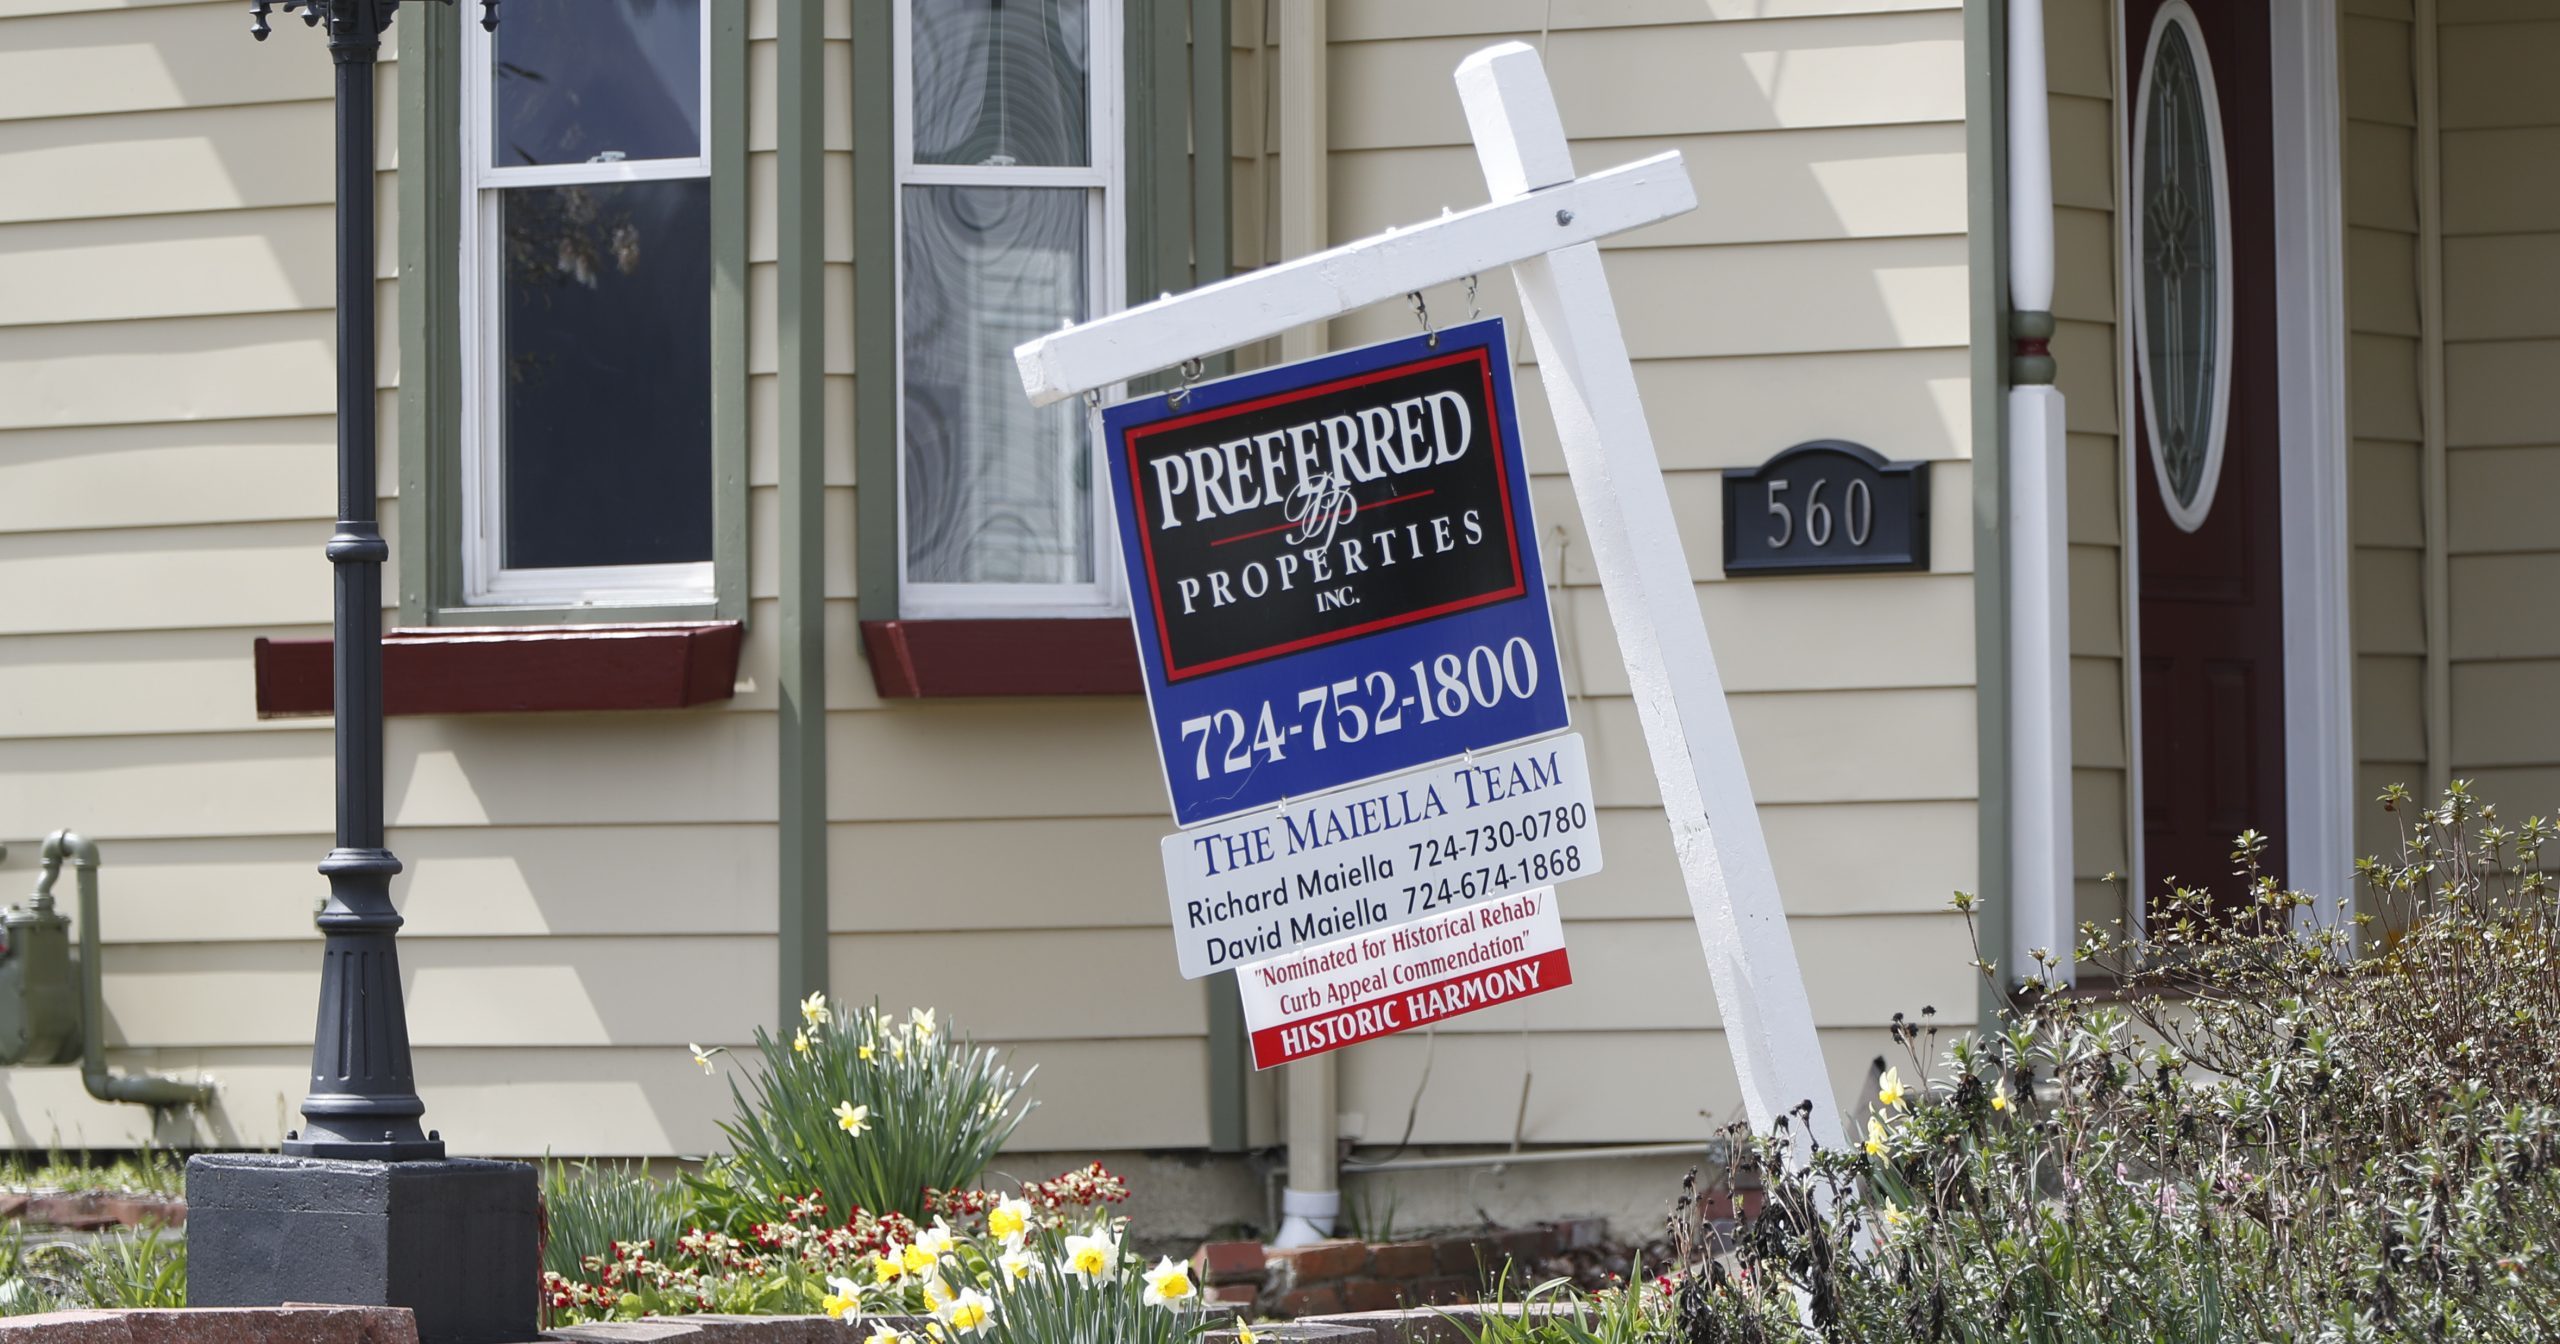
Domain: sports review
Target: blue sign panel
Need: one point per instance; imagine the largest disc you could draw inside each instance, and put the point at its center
(1333, 570)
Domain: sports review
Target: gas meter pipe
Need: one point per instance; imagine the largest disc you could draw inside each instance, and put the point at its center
(142, 1089)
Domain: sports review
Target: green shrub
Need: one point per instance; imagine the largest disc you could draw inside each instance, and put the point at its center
(592, 1207)
(868, 1112)
(2350, 1133)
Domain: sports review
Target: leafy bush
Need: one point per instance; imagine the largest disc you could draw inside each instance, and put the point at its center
(925, 1110)
(592, 1206)
(2345, 1132)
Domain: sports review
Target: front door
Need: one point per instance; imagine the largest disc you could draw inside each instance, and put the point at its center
(2201, 272)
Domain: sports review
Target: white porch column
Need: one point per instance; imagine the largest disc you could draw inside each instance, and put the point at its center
(2040, 895)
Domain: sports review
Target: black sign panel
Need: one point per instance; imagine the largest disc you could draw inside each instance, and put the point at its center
(1326, 512)
(1826, 507)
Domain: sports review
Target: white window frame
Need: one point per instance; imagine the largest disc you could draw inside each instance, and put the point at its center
(485, 579)
(1106, 283)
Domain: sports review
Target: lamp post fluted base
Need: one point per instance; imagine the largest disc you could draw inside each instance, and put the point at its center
(363, 1103)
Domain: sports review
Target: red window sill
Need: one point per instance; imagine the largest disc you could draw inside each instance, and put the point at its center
(924, 659)
(504, 669)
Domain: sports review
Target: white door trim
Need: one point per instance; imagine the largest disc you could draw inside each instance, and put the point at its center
(2319, 728)
(2311, 373)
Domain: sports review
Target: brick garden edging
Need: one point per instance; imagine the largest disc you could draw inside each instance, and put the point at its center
(215, 1325)
(91, 1210)
(1333, 1277)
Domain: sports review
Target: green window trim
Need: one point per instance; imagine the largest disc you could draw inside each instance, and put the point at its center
(1176, 204)
(430, 331)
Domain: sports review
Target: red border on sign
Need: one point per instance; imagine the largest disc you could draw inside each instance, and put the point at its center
(1502, 478)
(1556, 973)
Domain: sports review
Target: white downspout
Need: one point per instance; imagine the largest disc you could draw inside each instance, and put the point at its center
(2040, 866)
(1312, 1199)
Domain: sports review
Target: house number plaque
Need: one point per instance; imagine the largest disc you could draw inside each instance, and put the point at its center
(1826, 507)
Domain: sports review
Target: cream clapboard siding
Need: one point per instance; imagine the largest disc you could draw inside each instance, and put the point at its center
(166, 457)
(1819, 291)
(2081, 61)
(2501, 120)
(2385, 497)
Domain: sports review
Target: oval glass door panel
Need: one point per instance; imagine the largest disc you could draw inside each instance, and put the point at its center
(2182, 298)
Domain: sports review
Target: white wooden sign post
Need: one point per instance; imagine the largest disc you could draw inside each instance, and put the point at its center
(1545, 223)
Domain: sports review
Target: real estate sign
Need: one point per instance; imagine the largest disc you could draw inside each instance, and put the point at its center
(1333, 570)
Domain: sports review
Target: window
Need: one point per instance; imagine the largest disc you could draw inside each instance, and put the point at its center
(586, 419)
(1008, 223)
(2182, 299)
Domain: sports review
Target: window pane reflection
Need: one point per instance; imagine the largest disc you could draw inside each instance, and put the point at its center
(592, 81)
(606, 374)
(1001, 82)
(997, 491)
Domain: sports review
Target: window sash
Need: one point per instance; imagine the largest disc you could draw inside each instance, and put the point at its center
(1104, 181)
(486, 581)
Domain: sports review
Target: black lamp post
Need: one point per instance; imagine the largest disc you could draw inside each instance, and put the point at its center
(364, 1100)
(362, 1206)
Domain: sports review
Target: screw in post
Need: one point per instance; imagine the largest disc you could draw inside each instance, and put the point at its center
(1563, 217)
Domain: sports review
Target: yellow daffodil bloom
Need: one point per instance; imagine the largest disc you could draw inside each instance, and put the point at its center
(936, 1294)
(1092, 1257)
(1875, 1137)
(1018, 1263)
(2000, 1096)
(897, 1049)
(921, 1019)
(920, 1261)
(890, 1265)
(1008, 1219)
(884, 1333)
(852, 1119)
(934, 1328)
(702, 1056)
(866, 1054)
(839, 1301)
(813, 1009)
(969, 1312)
(799, 1042)
(1895, 1218)
(1169, 1284)
(1889, 1088)
(1244, 1333)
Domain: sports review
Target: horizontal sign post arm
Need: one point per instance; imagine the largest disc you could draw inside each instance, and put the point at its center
(1272, 300)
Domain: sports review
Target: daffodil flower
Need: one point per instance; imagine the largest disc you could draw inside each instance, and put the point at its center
(702, 1056)
(852, 1119)
(800, 1042)
(813, 1009)
(1889, 1091)
(1895, 1218)
(969, 1312)
(897, 1049)
(936, 1294)
(866, 1054)
(935, 1240)
(890, 1265)
(920, 1261)
(1875, 1137)
(885, 1333)
(1169, 1284)
(921, 1019)
(1092, 1257)
(839, 1301)
(1018, 1263)
(1008, 1219)
(1244, 1333)
(2000, 1096)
